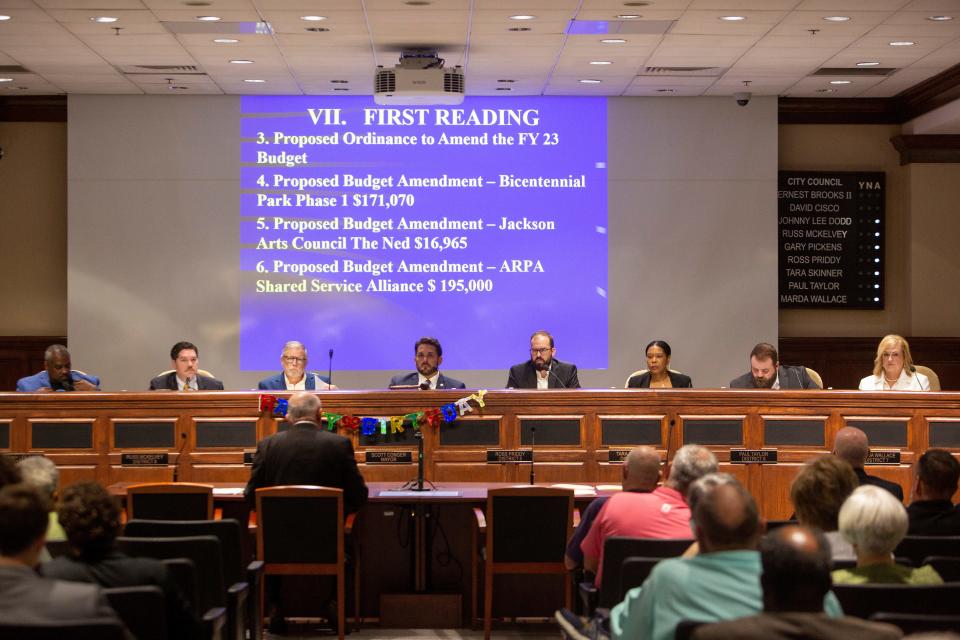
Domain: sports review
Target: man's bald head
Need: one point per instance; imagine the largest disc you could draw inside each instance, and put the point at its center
(724, 514)
(303, 406)
(641, 469)
(796, 569)
(851, 445)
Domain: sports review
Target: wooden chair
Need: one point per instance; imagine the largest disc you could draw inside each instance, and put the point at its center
(919, 547)
(170, 501)
(235, 569)
(301, 532)
(864, 600)
(527, 529)
(94, 629)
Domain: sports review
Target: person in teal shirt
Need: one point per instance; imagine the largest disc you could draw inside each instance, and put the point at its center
(721, 583)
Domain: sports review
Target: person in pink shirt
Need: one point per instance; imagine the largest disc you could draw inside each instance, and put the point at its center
(662, 513)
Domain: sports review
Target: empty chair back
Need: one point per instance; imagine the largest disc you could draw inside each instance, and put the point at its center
(864, 600)
(300, 525)
(203, 551)
(931, 376)
(226, 531)
(529, 525)
(919, 623)
(94, 629)
(141, 609)
(919, 547)
(170, 501)
(617, 548)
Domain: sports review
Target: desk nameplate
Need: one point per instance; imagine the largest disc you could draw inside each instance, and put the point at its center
(388, 457)
(616, 456)
(753, 456)
(883, 457)
(248, 457)
(159, 459)
(509, 456)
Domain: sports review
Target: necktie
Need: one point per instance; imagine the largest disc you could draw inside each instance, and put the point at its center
(186, 386)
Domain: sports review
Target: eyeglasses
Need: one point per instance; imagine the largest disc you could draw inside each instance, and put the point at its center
(541, 351)
(294, 359)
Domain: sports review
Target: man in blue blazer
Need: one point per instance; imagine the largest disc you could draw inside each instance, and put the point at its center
(295, 376)
(427, 356)
(57, 374)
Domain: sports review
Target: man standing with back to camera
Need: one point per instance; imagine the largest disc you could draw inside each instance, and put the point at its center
(542, 370)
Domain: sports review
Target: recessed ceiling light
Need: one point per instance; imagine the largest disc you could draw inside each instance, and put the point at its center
(940, 18)
(339, 81)
(868, 64)
(506, 80)
(226, 40)
(841, 82)
(254, 80)
(613, 41)
(629, 16)
(241, 62)
(341, 89)
(600, 62)
(197, 3)
(666, 90)
(825, 90)
(836, 18)
(590, 81)
(6, 79)
(4, 17)
(104, 19)
(519, 29)
(637, 3)
(523, 17)
(902, 43)
(317, 29)
(208, 18)
(177, 87)
(313, 18)
(504, 88)
(733, 18)
(417, 3)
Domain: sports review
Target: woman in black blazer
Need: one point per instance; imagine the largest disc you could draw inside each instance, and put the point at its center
(658, 374)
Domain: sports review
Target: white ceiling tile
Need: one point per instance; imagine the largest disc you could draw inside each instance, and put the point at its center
(850, 5)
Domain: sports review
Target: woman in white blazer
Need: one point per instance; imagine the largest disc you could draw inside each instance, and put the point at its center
(893, 368)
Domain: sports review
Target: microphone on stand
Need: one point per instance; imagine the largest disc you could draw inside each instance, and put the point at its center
(419, 435)
(533, 440)
(330, 368)
(556, 377)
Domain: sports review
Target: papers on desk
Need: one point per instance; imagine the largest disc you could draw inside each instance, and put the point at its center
(405, 493)
(609, 487)
(228, 491)
(579, 490)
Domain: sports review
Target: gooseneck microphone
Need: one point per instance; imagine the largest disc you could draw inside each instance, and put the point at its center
(550, 372)
(330, 368)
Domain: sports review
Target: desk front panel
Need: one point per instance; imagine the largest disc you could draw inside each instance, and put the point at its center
(577, 436)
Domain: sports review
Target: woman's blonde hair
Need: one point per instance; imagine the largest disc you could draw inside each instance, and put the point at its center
(896, 341)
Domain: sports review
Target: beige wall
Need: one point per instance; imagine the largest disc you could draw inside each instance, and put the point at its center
(33, 225)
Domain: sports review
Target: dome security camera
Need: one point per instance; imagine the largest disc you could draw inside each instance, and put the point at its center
(742, 98)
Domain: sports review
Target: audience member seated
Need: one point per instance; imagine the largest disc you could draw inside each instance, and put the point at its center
(658, 373)
(40, 473)
(795, 580)
(25, 597)
(722, 582)
(662, 513)
(818, 492)
(641, 472)
(893, 368)
(874, 523)
(766, 372)
(851, 445)
(91, 518)
(295, 376)
(186, 374)
(57, 374)
(935, 477)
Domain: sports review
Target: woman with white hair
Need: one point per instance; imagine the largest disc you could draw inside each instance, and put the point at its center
(875, 522)
(893, 368)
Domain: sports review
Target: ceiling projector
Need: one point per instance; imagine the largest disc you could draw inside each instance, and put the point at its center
(419, 79)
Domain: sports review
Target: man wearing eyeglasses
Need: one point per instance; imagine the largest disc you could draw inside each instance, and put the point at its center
(295, 376)
(542, 370)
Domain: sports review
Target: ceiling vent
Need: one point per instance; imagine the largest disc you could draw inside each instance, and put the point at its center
(160, 69)
(854, 71)
(691, 72)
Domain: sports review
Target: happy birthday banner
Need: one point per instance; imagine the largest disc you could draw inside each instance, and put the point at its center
(383, 425)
